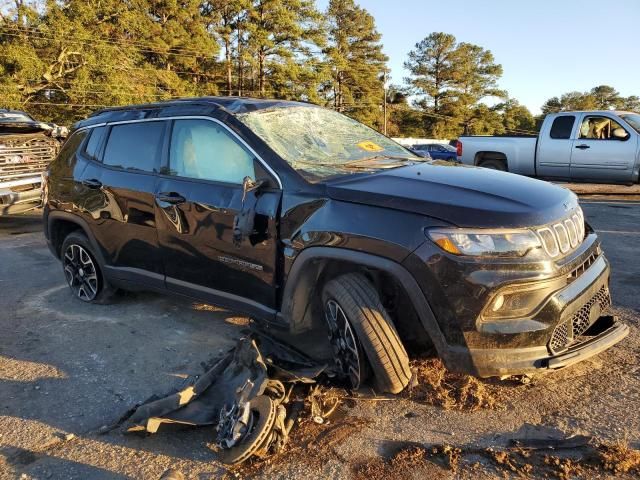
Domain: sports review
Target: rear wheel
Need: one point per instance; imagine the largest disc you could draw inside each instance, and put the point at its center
(494, 164)
(82, 271)
(362, 334)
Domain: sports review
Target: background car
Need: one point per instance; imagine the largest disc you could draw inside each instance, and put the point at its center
(437, 151)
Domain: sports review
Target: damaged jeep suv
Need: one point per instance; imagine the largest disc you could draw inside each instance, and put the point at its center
(320, 228)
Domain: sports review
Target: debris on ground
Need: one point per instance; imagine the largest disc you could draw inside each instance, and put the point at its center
(248, 395)
(435, 385)
(413, 461)
(311, 443)
(551, 454)
(619, 457)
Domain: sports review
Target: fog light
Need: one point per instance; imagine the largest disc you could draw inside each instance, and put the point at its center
(498, 303)
(520, 301)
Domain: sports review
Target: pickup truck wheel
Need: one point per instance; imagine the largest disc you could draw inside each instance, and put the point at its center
(83, 272)
(494, 165)
(362, 334)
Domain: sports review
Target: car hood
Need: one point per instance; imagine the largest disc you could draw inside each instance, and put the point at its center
(9, 128)
(462, 195)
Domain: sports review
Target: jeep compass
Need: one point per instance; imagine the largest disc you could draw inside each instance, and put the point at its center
(321, 228)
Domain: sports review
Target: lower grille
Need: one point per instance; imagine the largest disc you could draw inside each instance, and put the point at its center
(567, 333)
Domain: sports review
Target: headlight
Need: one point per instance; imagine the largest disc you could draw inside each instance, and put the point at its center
(504, 243)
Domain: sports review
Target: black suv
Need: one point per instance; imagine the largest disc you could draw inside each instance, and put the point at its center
(316, 225)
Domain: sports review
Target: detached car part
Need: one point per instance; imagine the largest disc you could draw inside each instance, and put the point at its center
(246, 395)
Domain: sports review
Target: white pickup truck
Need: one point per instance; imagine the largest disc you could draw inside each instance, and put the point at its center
(594, 146)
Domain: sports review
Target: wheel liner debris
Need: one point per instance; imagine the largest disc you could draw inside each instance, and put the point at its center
(247, 395)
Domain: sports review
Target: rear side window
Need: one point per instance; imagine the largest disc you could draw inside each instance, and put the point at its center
(94, 143)
(67, 153)
(205, 150)
(135, 146)
(562, 127)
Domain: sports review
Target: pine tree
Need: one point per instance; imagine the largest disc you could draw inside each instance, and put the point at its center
(450, 79)
(357, 63)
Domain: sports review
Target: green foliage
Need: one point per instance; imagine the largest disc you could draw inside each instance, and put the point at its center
(356, 64)
(62, 59)
(450, 80)
(602, 97)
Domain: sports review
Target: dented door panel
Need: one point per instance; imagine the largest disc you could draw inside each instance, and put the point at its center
(198, 249)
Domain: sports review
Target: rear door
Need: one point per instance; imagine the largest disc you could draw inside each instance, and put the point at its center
(599, 155)
(198, 197)
(122, 202)
(553, 157)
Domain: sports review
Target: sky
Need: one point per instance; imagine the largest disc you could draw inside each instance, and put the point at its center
(546, 47)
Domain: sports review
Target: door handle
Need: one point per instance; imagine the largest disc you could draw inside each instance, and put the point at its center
(583, 147)
(170, 197)
(92, 183)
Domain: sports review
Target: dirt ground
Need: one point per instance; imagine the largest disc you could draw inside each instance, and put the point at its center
(68, 369)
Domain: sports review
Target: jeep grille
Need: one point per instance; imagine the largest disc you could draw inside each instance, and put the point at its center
(563, 237)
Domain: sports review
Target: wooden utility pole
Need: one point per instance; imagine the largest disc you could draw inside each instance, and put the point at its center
(384, 102)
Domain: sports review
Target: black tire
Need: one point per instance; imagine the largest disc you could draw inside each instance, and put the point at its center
(75, 243)
(494, 164)
(374, 330)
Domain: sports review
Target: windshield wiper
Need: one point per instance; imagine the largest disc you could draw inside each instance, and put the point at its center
(373, 163)
(378, 158)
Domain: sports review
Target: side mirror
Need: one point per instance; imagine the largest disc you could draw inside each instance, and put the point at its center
(244, 222)
(619, 134)
(250, 185)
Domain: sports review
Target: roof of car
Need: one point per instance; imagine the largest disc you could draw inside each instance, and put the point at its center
(595, 112)
(232, 105)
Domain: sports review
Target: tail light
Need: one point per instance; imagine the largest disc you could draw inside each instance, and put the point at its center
(459, 148)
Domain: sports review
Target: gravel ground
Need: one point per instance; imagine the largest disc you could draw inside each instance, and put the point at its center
(67, 369)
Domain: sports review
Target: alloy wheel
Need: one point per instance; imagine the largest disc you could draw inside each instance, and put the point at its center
(80, 272)
(344, 344)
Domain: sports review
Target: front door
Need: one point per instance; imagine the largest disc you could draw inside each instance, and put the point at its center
(198, 197)
(553, 155)
(603, 151)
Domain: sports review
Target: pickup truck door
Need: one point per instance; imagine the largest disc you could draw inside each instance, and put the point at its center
(198, 196)
(555, 142)
(598, 155)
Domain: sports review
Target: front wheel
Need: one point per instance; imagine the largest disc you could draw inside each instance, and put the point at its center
(82, 271)
(362, 334)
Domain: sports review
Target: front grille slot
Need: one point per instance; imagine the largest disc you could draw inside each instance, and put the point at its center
(568, 332)
(580, 269)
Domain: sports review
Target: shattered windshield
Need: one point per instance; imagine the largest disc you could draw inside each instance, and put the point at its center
(321, 143)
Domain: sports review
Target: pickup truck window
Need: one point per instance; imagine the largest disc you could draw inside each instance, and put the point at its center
(562, 127)
(632, 119)
(598, 128)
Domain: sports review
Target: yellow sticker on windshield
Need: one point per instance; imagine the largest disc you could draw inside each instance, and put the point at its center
(370, 146)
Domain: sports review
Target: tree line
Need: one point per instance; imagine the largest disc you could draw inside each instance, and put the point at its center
(62, 59)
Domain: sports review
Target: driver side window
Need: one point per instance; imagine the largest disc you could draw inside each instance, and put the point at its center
(601, 128)
(202, 149)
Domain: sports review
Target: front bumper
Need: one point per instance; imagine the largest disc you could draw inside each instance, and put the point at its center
(571, 324)
(606, 332)
(18, 198)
